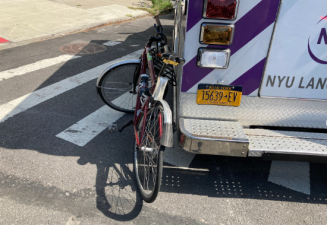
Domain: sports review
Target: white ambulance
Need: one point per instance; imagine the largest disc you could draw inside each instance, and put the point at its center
(254, 83)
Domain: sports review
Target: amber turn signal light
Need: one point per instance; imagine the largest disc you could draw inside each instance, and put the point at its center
(216, 34)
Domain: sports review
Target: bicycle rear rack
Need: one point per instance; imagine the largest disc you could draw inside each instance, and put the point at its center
(158, 63)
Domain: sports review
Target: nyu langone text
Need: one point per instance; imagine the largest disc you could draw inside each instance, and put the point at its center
(297, 82)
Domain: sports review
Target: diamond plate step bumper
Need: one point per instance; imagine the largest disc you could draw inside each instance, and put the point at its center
(229, 138)
(286, 142)
(213, 137)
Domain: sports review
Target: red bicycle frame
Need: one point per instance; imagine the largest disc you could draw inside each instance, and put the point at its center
(146, 60)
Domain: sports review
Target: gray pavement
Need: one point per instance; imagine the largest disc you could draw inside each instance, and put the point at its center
(47, 180)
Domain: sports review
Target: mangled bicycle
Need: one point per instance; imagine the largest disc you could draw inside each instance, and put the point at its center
(139, 86)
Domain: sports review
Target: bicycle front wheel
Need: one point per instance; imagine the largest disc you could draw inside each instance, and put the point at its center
(116, 87)
(148, 157)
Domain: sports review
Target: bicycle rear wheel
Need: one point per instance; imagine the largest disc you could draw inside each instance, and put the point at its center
(148, 158)
(116, 87)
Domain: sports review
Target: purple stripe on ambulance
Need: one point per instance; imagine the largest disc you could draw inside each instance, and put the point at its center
(251, 79)
(246, 28)
(194, 13)
(245, 58)
(192, 37)
(252, 24)
(191, 74)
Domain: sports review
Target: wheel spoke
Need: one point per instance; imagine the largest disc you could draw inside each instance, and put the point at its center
(150, 139)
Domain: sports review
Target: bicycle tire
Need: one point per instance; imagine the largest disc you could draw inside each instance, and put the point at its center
(120, 80)
(132, 75)
(142, 167)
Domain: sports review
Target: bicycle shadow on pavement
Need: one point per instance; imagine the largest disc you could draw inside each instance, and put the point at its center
(116, 194)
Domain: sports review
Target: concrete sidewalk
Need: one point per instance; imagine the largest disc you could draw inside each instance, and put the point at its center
(24, 21)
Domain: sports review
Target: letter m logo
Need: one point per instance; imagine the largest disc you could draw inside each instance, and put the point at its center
(323, 35)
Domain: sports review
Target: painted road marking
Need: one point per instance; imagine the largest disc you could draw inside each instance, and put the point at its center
(292, 175)
(177, 156)
(111, 43)
(2, 40)
(35, 66)
(32, 99)
(88, 128)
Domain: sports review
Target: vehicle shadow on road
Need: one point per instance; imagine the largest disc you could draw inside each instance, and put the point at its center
(243, 178)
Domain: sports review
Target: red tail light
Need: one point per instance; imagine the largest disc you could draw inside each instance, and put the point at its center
(220, 9)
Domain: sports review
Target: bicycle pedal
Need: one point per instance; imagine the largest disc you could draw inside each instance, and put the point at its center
(113, 128)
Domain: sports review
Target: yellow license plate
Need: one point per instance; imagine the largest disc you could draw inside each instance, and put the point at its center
(215, 94)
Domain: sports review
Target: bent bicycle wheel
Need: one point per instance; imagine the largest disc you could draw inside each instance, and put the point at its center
(116, 87)
(148, 157)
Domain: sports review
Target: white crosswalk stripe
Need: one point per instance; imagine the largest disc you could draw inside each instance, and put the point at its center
(292, 175)
(27, 101)
(35, 66)
(88, 128)
(177, 156)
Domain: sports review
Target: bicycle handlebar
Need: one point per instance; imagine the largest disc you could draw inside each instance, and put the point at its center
(160, 38)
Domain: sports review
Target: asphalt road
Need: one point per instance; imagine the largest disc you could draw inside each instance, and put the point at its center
(88, 178)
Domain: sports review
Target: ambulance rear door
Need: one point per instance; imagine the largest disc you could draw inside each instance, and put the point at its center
(297, 61)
